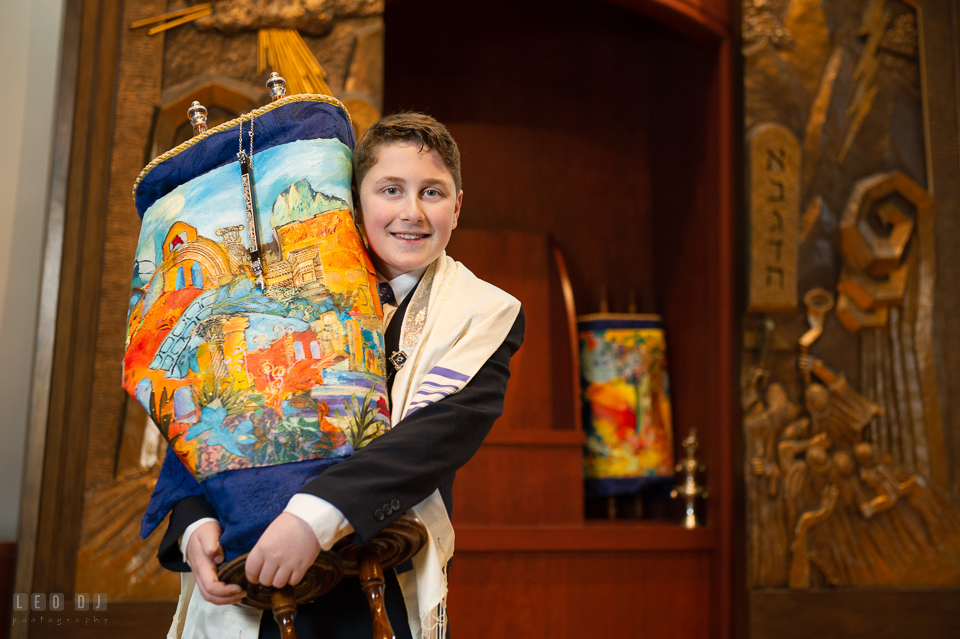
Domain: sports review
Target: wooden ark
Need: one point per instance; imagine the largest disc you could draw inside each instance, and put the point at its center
(602, 130)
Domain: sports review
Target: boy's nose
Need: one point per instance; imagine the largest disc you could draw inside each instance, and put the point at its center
(412, 211)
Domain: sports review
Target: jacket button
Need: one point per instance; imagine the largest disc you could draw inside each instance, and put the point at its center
(378, 515)
(387, 509)
(395, 504)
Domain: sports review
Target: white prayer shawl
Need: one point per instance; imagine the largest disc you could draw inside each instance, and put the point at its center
(449, 304)
(446, 338)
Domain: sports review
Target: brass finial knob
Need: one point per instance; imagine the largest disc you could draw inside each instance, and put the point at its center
(198, 117)
(688, 489)
(277, 86)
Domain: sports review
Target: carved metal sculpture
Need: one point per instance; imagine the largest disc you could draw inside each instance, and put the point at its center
(875, 230)
(845, 458)
(827, 507)
(775, 213)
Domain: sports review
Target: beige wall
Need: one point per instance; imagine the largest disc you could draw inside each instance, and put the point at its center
(29, 55)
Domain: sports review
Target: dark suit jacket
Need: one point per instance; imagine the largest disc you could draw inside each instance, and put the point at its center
(400, 468)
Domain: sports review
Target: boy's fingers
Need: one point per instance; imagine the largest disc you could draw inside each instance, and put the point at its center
(267, 574)
(295, 577)
(222, 600)
(281, 578)
(211, 547)
(214, 590)
(254, 564)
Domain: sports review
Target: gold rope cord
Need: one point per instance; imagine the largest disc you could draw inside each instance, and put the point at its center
(284, 51)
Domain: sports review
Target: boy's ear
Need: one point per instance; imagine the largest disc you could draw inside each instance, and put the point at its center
(456, 211)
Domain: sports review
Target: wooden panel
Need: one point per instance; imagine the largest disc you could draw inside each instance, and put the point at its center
(701, 20)
(140, 619)
(694, 262)
(623, 154)
(615, 595)
(540, 438)
(54, 560)
(553, 133)
(531, 268)
(520, 484)
(576, 164)
(599, 535)
(855, 614)
(519, 263)
(138, 90)
(8, 564)
(563, 329)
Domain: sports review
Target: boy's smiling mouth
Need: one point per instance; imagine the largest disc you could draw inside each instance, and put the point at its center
(411, 236)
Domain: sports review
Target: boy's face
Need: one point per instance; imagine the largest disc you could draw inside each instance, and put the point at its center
(409, 207)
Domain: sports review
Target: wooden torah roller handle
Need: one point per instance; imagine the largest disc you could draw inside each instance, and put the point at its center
(323, 575)
(393, 545)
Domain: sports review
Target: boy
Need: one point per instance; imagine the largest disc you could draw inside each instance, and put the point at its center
(449, 338)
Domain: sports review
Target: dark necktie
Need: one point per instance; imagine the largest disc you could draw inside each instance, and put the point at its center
(386, 294)
(391, 339)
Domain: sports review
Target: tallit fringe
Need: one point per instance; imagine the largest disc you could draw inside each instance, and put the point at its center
(434, 625)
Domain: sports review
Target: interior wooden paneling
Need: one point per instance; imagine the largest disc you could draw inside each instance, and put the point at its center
(619, 535)
(607, 148)
(515, 483)
(529, 470)
(518, 263)
(687, 225)
(8, 565)
(703, 21)
(532, 269)
(553, 132)
(54, 562)
(604, 129)
(140, 619)
(571, 595)
(854, 613)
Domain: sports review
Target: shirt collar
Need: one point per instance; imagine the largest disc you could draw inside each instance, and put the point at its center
(403, 284)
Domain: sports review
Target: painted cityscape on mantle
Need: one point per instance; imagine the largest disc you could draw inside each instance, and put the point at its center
(239, 378)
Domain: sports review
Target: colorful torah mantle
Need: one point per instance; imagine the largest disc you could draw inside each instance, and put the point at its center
(254, 338)
(626, 403)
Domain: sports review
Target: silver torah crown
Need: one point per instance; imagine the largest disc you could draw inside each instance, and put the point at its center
(198, 117)
(277, 86)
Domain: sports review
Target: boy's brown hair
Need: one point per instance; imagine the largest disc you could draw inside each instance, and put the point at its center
(406, 127)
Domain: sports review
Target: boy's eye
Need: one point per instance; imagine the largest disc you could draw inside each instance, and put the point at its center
(391, 190)
(431, 192)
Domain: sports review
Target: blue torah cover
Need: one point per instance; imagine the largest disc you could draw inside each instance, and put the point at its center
(257, 384)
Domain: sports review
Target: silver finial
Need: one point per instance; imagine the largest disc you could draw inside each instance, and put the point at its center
(198, 117)
(277, 86)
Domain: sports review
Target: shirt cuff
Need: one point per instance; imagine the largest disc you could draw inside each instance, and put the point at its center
(185, 537)
(325, 519)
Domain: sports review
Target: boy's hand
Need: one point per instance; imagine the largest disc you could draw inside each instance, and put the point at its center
(286, 550)
(203, 555)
